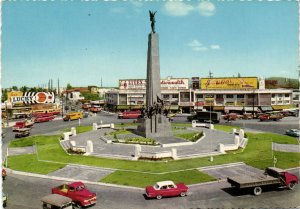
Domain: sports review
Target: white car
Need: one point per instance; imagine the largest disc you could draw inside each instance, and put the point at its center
(293, 132)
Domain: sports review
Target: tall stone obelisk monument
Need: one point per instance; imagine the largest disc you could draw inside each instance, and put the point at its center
(154, 123)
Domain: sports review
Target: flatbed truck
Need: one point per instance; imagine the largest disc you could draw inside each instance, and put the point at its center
(271, 177)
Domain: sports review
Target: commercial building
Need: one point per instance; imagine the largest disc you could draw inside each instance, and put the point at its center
(243, 94)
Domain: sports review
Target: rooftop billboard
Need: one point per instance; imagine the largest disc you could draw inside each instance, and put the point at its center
(229, 83)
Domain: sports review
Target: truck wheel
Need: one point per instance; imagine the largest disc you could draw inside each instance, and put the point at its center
(182, 194)
(257, 191)
(158, 197)
(292, 185)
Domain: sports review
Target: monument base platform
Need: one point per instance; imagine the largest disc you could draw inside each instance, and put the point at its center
(155, 127)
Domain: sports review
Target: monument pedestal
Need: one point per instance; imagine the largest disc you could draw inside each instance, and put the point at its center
(155, 127)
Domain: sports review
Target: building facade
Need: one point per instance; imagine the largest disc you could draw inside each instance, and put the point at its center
(246, 94)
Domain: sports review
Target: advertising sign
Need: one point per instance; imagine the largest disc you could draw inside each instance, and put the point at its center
(13, 94)
(195, 82)
(166, 84)
(229, 83)
(32, 97)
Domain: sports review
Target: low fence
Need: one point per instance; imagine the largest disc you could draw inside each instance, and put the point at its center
(96, 126)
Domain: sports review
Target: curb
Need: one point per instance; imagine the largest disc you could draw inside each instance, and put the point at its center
(71, 180)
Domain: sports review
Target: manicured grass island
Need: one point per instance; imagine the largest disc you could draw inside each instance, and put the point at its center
(50, 157)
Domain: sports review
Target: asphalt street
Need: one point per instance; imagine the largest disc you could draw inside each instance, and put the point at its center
(25, 192)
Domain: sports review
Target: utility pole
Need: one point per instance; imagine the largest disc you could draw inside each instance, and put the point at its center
(58, 92)
(101, 83)
(210, 74)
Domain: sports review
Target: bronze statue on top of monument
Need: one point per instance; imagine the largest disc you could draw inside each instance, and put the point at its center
(152, 19)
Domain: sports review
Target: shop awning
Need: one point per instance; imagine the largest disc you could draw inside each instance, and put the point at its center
(250, 109)
(218, 108)
(174, 107)
(281, 107)
(233, 108)
(127, 107)
(266, 108)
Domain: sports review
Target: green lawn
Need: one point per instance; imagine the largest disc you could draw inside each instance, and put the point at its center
(79, 129)
(258, 153)
(226, 128)
(192, 136)
(144, 179)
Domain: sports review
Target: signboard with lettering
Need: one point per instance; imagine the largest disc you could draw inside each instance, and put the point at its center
(166, 84)
(229, 83)
(31, 97)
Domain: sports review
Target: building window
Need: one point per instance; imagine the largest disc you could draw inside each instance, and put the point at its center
(240, 96)
(229, 96)
(219, 96)
(199, 96)
(166, 96)
(279, 95)
(273, 95)
(273, 102)
(174, 95)
(287, 95)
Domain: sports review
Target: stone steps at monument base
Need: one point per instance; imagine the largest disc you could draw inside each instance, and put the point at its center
(65, 144)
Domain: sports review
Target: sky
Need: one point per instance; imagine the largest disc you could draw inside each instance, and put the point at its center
(82, 42)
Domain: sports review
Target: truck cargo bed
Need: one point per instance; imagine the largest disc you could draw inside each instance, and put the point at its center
(252, 181)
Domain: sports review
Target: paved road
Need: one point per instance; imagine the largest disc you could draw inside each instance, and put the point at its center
(25, 192)
(268, 126)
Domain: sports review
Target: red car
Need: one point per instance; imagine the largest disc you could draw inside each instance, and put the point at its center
(3, 173)
(44, 117)
(78, 192)
(129, 115)
(166, 189)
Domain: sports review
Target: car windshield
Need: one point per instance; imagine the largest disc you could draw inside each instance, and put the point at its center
(79, 188)
(156, 186)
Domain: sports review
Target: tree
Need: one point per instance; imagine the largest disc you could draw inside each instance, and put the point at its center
(89, 96)
(24, 89)
(15, 88)
(4, 95)
(239, 75)
(69, 86)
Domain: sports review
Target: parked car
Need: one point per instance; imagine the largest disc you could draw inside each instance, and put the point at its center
(129, 115)
(57, 201)
(293, 132)
(270, 116)
(73, 116)
(248, 116)
(166, 189)
(4, 198)
(22, 132)
(3, 174)
(230, 116)
(78, 192)
(43, 117)
(22, 124)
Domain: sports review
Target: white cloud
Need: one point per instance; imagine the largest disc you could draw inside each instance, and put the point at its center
(215, 46)
(194, 43)
(206, 8)
(178, 8)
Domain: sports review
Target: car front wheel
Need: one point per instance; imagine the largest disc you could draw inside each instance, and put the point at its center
(292, 185)
(158, 197)
(182, 194)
